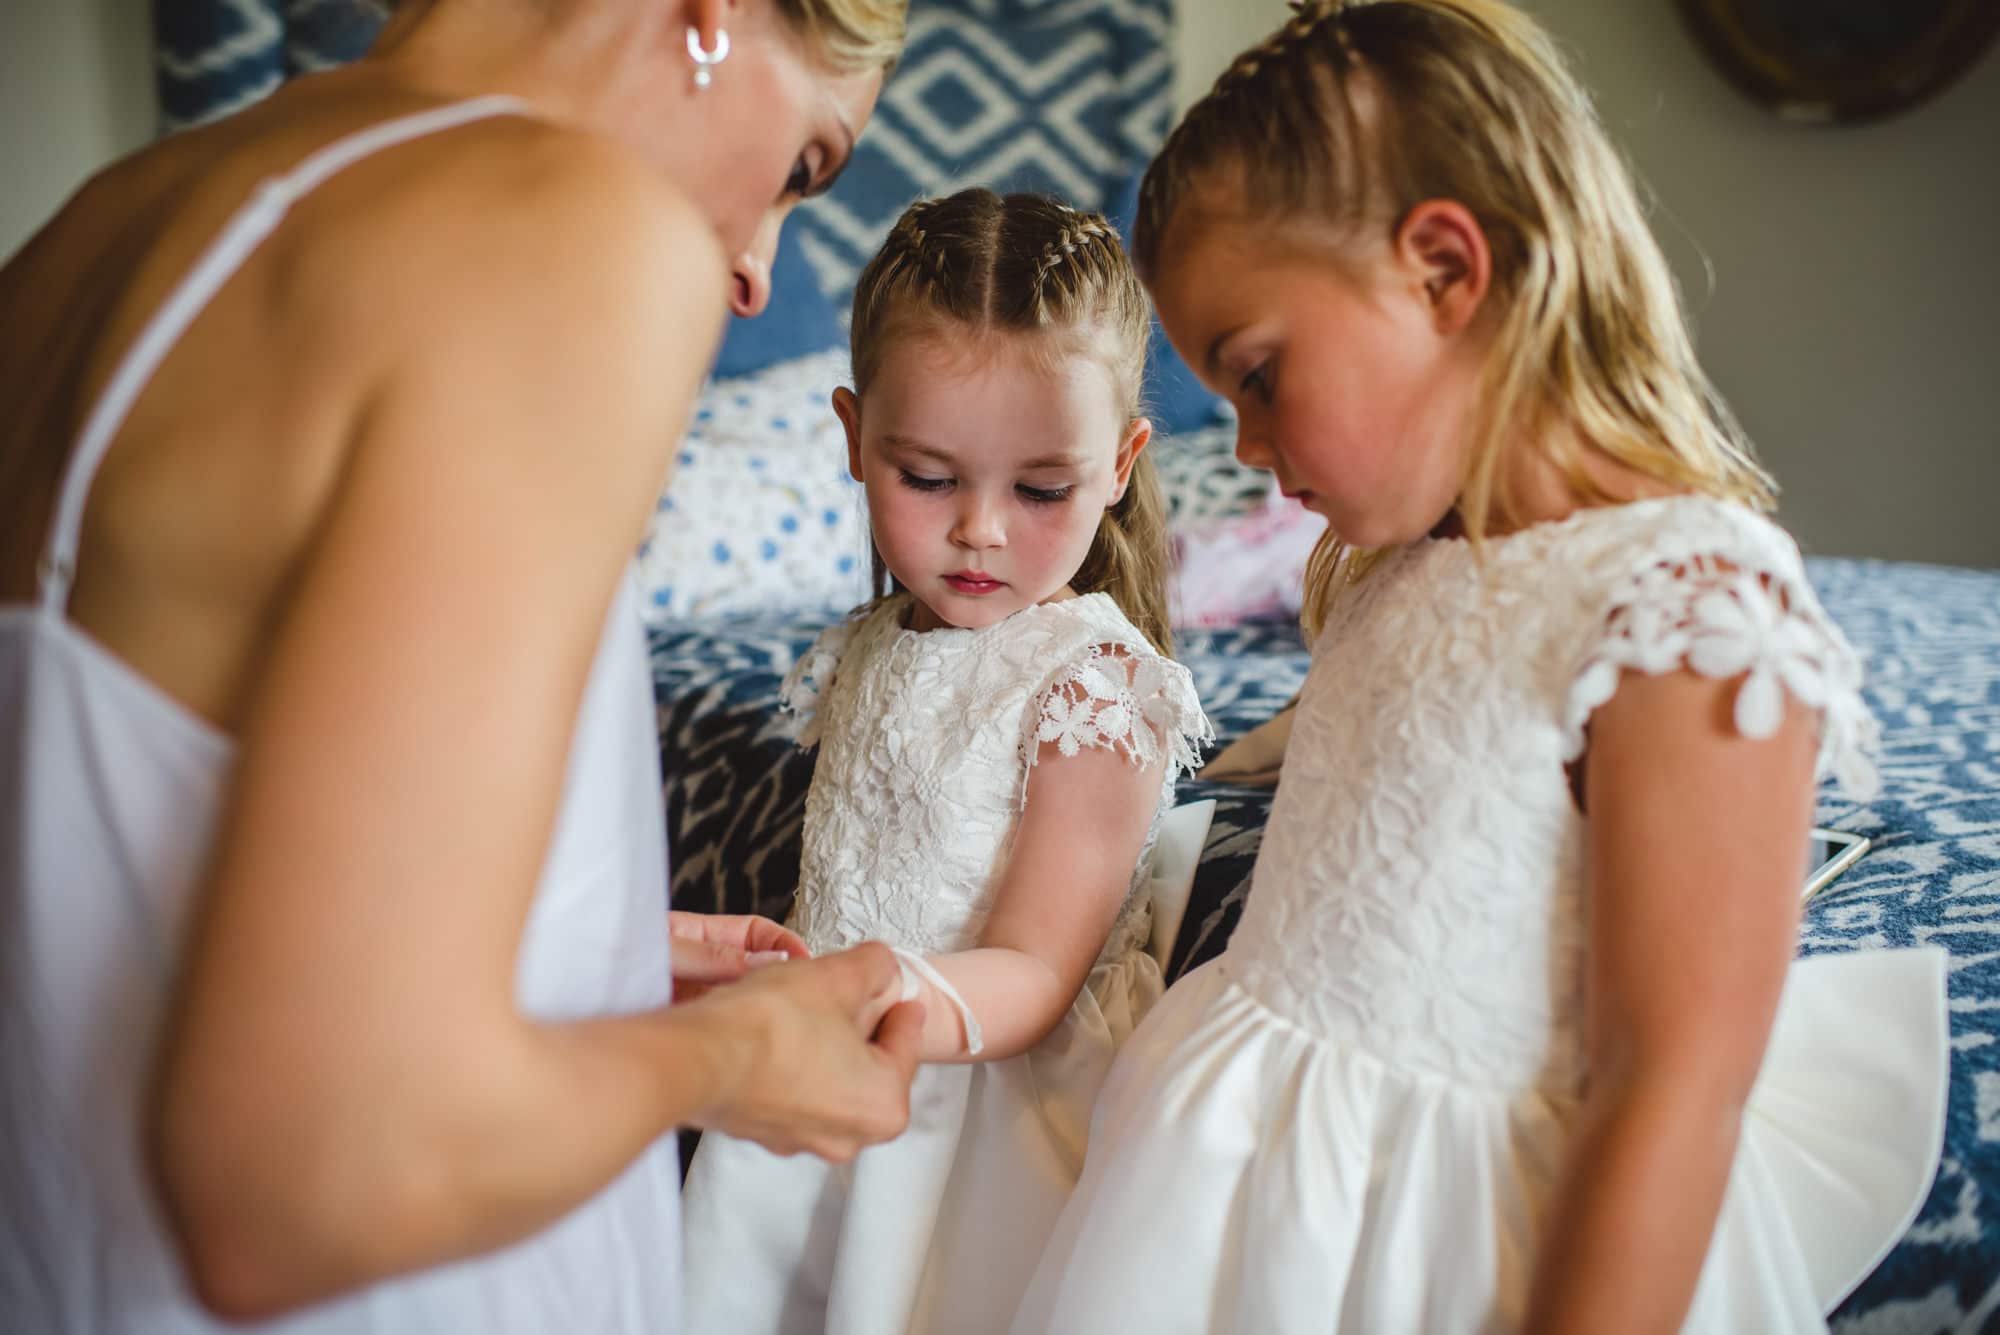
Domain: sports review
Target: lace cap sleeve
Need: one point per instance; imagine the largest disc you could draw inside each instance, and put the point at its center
(1125, 699)
(1723, 618)
(811, 677)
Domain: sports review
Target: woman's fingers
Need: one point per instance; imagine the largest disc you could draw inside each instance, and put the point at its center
(706, 962)
(720, 948)
(761, 936)
(745, 931)
(900, 1036)
(831, 1060)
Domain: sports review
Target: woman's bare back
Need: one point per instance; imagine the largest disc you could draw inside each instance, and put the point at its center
(217, 479)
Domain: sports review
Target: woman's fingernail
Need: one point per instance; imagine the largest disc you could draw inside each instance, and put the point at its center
(768, 957)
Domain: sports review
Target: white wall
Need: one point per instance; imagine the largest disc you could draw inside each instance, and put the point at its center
(1211, 33)
(1853, 314)
(76, 91)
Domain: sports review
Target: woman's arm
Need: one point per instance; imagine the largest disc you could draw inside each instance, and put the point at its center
(1695, 840)
(346, 1089)
(1074, 853)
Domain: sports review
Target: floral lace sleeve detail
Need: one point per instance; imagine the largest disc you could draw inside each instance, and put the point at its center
(1721, 620)
(1124, 699)
(811, 677)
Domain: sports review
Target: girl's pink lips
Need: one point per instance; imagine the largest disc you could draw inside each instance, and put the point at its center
(974, 582)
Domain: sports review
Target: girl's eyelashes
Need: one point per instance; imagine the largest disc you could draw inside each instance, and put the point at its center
(1258, 382)
(1032, 495)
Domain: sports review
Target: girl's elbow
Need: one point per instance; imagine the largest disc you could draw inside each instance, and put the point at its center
(1708, 1084)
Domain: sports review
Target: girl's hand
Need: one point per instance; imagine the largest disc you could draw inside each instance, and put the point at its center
(715, 948)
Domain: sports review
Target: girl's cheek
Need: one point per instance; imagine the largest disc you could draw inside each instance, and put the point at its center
(1053, 521)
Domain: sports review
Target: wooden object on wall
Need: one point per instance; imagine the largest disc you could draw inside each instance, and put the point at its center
(1826, 61)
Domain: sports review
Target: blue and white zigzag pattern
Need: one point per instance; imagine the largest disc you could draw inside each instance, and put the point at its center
(736, 788)
(213, 57)
(1065, 96)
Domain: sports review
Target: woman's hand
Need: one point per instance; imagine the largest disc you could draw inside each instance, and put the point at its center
(715, 948)
(817, 1055)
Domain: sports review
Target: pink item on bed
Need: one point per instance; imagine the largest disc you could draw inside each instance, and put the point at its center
(1244, 567)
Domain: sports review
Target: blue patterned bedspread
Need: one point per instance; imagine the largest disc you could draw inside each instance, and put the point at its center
(736, 794)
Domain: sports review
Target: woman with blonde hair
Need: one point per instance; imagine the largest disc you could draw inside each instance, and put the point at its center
(336, 959)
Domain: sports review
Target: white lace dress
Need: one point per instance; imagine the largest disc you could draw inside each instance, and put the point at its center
(1355, 1118)
(925, 743)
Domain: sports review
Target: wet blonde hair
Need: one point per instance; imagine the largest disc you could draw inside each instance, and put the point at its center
(966, 268)
(1351, 114)
(851, 36)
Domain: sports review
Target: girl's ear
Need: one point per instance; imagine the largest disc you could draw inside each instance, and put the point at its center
(848, 409)
(1443, 248)
(1138, 435)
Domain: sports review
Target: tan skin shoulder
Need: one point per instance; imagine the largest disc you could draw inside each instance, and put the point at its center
(484, 241)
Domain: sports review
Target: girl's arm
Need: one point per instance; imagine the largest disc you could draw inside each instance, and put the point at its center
(346, 1089)
(1694, 846)
(1074, 853)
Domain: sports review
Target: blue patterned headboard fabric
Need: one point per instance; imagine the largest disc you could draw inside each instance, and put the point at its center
(1066, 96)
(213, 57)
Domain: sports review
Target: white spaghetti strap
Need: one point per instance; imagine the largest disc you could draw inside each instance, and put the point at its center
(239, 238)
(915, 966)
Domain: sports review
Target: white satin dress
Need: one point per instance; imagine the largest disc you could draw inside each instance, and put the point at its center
(1355, 1119)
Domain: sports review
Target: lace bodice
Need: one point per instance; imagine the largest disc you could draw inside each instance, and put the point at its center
(926, 741)
(1419, 890)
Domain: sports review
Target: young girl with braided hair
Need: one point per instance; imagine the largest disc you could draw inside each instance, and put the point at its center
(999, 732)
(1509, 1036)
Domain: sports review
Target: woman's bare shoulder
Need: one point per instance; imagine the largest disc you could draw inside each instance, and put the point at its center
(520, 217)
(511, 211)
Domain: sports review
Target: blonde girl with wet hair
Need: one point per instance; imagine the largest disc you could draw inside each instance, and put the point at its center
(1510, 1036)
(336, 965)
(998, 733)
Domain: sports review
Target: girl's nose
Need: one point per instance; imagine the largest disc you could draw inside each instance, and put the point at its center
(978, 525)
(1253, 450)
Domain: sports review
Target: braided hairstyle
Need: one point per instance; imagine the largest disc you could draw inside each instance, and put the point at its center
(975, 265)
(1355, 111)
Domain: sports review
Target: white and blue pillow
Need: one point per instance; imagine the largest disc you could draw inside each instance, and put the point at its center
(761, 515)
